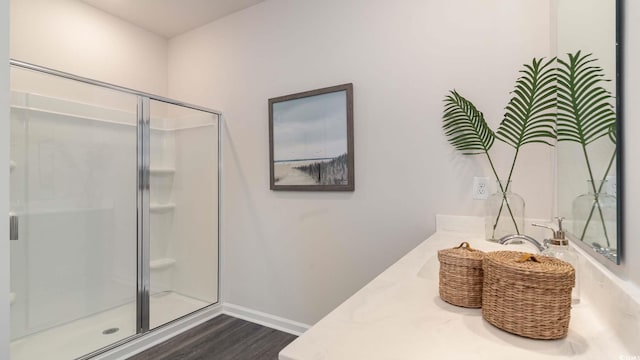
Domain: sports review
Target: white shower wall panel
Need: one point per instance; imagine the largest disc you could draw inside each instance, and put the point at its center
(60, 95)
(162, 148)
(195, 231)
(76, 253)
(70, 276)
(183, 187)
(184, 208)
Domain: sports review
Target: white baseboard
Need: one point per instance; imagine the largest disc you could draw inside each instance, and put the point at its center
(268, 320)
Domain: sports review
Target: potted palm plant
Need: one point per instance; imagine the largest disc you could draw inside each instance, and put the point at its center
(529, 118)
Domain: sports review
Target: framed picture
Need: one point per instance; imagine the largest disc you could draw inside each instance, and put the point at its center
(311, 140)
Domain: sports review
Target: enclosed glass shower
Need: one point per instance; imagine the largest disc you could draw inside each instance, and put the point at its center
(114, 213)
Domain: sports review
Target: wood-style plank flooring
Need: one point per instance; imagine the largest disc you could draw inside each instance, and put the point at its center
(221, 338)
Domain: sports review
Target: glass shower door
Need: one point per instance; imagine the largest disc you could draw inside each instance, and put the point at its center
(73, 204)
(183, 211)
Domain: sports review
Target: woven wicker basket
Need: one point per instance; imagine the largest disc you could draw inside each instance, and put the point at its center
(527, 295)
(461, 276)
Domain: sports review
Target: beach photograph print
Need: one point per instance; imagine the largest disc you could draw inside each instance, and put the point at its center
(311, 140)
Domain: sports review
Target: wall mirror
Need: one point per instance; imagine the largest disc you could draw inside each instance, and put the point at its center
(589, 172)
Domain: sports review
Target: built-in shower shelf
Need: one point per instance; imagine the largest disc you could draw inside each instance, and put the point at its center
(162, 171)
(160, 264)
(12, 165)
(161, 208)
(12, 298)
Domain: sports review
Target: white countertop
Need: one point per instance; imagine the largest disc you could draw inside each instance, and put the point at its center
(399, 315)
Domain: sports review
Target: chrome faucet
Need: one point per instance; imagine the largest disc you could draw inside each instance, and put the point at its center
(558, 237)
(509, 238)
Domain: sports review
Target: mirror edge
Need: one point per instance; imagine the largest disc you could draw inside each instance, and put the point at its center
(620, 129)
(609, 263)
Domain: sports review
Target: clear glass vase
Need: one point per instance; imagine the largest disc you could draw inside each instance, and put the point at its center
(594, 216)
(504, 213)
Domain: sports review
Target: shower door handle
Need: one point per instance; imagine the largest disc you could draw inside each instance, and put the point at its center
(13, 226)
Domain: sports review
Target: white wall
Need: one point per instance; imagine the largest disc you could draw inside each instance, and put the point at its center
(72, 36)
(299, 254)
(631, 260)
(4, 178)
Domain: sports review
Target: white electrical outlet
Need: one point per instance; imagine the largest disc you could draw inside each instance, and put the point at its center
(480, 188)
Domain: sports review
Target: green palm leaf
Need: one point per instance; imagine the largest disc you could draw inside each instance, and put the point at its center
(585, 109)
(613, 133)
(530, 115)
(465, 126)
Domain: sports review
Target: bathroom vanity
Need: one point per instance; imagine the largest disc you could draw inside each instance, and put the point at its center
(399, 315)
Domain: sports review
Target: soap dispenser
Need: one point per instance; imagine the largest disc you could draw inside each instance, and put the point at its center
(558, 247)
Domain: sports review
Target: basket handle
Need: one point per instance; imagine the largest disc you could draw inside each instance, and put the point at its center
(528, 257)
(464, 245)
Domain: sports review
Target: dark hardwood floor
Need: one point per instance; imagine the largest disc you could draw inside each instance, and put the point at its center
(221, 338)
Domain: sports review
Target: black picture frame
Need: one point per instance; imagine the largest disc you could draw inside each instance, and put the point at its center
(311, 140)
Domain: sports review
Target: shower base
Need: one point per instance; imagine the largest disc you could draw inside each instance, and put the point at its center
(83, 336)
